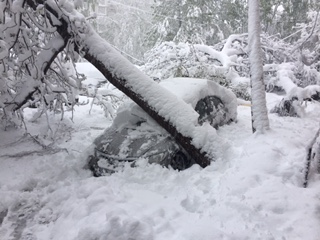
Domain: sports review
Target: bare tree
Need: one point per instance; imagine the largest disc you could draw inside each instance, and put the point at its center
(68, 32)
(259, 112)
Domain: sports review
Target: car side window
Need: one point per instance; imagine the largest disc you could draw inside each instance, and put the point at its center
(210, 109)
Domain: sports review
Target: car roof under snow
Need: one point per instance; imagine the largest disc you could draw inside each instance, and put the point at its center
(191, 90)
(188, 89)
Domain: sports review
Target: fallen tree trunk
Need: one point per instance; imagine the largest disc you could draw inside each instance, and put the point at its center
(128, 79)
(185, 142)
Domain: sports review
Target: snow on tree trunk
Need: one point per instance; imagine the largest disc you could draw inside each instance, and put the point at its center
(259, 112)
(173, 114)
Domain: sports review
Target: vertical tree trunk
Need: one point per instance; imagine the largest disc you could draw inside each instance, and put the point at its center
(259, 112)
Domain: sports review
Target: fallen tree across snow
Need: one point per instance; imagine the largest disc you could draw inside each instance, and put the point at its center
(174, 115)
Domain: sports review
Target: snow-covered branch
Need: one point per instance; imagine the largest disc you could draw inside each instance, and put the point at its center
(31, 71)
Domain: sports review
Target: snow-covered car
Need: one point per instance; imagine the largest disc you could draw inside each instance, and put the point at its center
(134, 134)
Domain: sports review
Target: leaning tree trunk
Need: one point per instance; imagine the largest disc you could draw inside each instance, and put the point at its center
(259, 112)
(85, 44)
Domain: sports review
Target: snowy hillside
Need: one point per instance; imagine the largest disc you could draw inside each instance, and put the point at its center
(254, 192)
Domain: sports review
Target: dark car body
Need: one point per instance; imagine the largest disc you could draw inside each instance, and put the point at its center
(134, 134)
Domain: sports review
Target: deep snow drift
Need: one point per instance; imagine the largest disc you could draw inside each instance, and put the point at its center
(255, 192)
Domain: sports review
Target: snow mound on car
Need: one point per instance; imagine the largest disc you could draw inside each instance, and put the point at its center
(191, 90)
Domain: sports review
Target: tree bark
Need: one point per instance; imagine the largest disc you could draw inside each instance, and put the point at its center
(259, 112)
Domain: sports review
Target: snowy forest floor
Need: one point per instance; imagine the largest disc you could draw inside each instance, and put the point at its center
(255, 192)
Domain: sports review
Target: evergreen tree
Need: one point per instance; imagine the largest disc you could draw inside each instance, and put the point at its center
(233, 18)
(193, 21)
(294, 12)
(197, 21)
(123, 23)
(282, 16)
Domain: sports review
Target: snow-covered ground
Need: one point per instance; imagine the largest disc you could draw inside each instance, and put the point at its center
(255, 192)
